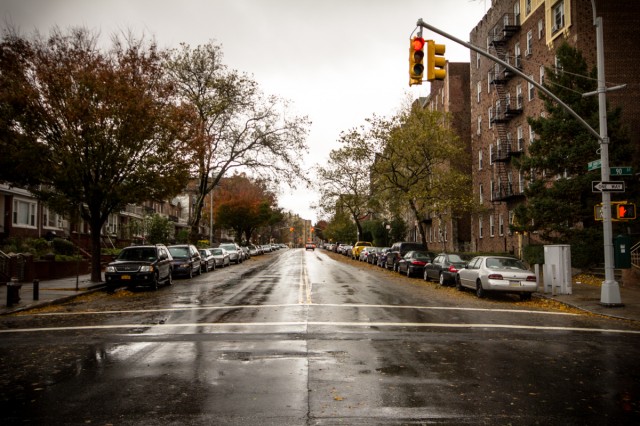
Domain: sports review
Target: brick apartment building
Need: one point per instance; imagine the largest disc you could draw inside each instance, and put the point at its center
(453, 234)
(525, 33)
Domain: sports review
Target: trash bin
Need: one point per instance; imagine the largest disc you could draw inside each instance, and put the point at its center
(13, 292)
(622, 252)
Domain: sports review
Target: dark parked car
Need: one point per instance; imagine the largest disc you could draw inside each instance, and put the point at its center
(381, 256)
(399, 249)
(208, 262)
(186, 260)
(147, 265)
(413, 263)
(444, 268)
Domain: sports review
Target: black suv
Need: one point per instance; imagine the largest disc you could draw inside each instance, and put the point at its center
(147, 265)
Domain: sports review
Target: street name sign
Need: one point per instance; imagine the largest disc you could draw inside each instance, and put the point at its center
(615, 186)
(593, 165)
(621, 171)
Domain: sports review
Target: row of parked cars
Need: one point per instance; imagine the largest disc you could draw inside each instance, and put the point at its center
(155, 264)
(482, 273)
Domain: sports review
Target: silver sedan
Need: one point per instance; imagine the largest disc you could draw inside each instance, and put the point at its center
(221, 256)
(497, 273)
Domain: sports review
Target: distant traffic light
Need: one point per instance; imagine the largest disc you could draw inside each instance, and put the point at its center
(625, 211)
(436, 61)
(416, 60)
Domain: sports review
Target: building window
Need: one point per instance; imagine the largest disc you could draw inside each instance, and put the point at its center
(540, 29)
(491, 226)
(532, 135)
(501, 224)
(558, 16)
(24, 213)
(520, 182)
(516, 52)
(541, 74)
(529, 43)
(519, 96)
(490, 113)
(479, 90)
(50, 219)
(478, 60)
(491, 154)
(527, 7)
(516, 12)
(480, 160)
(532, 89)
(480, 227)
(489, 79)
(492, 189)
(481, 195)
(479, 131)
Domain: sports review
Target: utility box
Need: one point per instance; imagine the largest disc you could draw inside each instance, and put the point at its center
(557, 269)
(622, 251)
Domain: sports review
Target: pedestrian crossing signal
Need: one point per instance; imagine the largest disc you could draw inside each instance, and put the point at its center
(625, 211)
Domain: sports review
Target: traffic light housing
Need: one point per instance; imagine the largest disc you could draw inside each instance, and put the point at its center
(416, 60)
(624, 211)
(436, 61)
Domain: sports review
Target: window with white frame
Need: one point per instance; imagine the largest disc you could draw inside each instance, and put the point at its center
(490, 113)
(558, 16)
(532, 89)
(480, 160)
(491, 154)
(520, 138)
(481, 195)
(516, 12)
(500, 224)
(519, 96)
(51, 219)
(112, 225)
(24, 213)
(527, 7)
(507, 100)
(516, 51)
(492, 189)
(479, 130)
(512, 216)
(480, 227)
(541, 74)
(532, 135)
(529, 43)
(479, 88)
(540, 29)
(489, 79)
(478, 60)
(492, 230)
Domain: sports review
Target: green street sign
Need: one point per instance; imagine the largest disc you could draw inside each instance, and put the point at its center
(593, 165)
(621, 171)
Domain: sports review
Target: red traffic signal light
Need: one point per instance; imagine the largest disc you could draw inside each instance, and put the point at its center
(625, 211)
(416, 60)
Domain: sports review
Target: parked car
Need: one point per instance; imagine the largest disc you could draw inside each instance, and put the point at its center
(444, 268)
(370, 254)
(358, 247)
(235, 252)
(186, 260)
(208, 262)
(266, 248)
(497, 273)
(381, 256)
(310, 246)
(399, 249)
(254, 250)
(413, 263)
(147, 265)
(246, 252)
(221, 257)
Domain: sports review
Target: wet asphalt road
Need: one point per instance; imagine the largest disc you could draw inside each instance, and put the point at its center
(306, 338)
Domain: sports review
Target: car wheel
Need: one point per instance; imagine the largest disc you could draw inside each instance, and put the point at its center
(525, 296)
(426, 275)
(479, 290)
(214, 266)
(408, 272)
(199, 270)
(170, 278)
(441, 279)
(190, 272)
(459, 283)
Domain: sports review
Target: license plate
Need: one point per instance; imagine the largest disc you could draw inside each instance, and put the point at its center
(125, 277)
(515, 284)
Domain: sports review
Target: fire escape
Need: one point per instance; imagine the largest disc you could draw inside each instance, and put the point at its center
(506, 108)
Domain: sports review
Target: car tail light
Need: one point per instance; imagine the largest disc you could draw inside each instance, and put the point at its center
(453, 269)
(531, 278)
(495, 277)
(418, 263)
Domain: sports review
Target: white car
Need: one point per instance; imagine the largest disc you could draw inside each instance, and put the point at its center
(497, 273)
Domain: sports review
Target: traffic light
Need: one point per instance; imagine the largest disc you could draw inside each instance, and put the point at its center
(625, 211)
(435, 61)
(416, 60)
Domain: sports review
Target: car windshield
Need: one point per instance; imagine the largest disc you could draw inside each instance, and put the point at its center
(179, 252)
(216, 251)
(228, 247)
(504, 263)
(146, 254)
(204, 252)
(455, 258)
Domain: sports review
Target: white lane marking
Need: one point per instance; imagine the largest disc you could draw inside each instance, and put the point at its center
(304, 289)
(288, 305)
(305, 324)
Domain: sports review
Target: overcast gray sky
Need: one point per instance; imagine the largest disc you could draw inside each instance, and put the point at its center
(338, 61)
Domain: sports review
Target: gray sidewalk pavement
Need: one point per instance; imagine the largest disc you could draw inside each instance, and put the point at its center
(585, 297)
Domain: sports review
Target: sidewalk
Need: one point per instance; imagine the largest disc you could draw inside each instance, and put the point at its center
(585, 297)
(50, 292)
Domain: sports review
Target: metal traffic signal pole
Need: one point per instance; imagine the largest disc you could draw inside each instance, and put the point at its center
(610, 292)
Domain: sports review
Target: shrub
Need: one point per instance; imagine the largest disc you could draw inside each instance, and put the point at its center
(64, 247)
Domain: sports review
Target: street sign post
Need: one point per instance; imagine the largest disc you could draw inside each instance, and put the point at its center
(616, 186)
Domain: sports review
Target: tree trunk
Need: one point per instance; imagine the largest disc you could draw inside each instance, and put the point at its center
(96, 267)
(423, 235)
